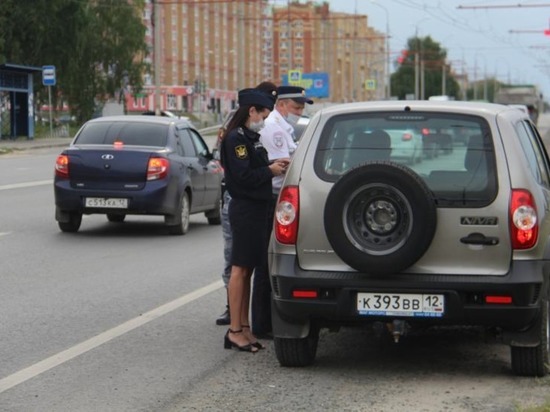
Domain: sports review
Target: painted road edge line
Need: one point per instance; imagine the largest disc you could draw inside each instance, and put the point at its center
(29, 184)
(104, 337)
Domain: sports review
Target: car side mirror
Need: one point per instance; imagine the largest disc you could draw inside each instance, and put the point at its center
(216, 154)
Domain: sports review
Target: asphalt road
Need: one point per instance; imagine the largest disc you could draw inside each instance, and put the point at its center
(120, 317)
(84, 319)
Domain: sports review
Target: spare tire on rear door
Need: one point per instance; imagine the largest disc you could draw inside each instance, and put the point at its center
(380, 218)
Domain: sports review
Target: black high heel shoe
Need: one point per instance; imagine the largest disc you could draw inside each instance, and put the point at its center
(256, 344)
(228, 343)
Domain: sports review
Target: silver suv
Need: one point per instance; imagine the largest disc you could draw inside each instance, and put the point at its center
(364, 237)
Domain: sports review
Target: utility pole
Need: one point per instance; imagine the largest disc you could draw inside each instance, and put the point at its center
(387, 92)
(241, 54)
(156, 51)
(416, 75)
(443, 80)
(354, 49)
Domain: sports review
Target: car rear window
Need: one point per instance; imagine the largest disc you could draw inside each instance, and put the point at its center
(453, 154)
(129, 133)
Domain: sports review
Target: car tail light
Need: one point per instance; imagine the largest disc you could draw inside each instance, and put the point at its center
(523, 220)
(286, 215)
(157, 168)
(406, 137)
(62, 166)
(425, 131)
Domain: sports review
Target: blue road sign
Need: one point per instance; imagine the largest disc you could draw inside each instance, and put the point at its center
(315, 84)
(48, 75)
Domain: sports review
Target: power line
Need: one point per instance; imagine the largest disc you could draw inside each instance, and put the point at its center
(504, 6)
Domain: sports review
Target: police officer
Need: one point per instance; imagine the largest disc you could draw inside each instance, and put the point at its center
(248, 176)
(278, 138)
(271, 89)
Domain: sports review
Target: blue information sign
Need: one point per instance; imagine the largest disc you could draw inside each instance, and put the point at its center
(315, 84)
(48, 75)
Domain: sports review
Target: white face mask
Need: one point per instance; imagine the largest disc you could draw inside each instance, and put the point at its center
(256, 126)
(292, 119)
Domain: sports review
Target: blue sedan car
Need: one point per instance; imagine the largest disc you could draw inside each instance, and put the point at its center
(137, 165)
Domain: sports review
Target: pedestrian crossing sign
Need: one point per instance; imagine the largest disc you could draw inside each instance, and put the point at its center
(294, 77)
(370, 84)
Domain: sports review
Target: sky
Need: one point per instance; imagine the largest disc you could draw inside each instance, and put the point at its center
(506, 43)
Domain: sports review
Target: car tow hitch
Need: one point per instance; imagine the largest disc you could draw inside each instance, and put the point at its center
(397, 328)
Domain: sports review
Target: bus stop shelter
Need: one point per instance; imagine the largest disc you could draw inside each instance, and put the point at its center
(17, 100)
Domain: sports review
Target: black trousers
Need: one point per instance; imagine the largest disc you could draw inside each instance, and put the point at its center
(261, 287)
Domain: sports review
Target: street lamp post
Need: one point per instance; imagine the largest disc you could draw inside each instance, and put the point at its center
(156, 56)
(443, 79)
(418, 63)
(485, 97)
(387, 87)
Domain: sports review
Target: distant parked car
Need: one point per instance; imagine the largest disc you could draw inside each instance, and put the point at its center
(406, 144)
(137, 165)
(168, 113)
(521, 107)
(300, 127)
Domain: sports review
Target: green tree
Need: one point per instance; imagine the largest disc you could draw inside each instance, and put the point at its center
(97, 46)
(433, 59)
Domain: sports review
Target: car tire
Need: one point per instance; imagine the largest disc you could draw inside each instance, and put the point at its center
(380, 217)
(111, 217)
(214, 216)
(182, 217)
(533, 361)
(297, 352)
(73, 224)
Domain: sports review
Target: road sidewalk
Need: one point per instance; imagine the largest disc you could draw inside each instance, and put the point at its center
(23, 143)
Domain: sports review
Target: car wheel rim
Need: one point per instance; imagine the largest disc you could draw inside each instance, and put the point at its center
(377, 219)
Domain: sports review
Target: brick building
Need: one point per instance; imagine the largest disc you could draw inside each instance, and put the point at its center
(209, 49)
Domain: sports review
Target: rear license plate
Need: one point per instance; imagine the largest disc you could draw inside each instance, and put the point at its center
(401, 304)
(106, 202)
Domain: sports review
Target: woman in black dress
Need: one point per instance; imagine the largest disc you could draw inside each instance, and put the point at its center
(248, 175)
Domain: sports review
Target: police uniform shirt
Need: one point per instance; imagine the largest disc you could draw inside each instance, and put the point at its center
(276, 137)
(246, 165)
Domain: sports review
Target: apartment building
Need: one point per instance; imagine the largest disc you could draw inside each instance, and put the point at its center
(209, 49)
(311, 38)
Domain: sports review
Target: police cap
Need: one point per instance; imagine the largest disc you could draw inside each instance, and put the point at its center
(298, 94)
(255, 97)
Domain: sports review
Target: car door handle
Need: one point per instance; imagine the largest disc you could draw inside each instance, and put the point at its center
(479, 239)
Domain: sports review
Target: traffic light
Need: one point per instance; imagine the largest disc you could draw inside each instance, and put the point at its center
(403, 56)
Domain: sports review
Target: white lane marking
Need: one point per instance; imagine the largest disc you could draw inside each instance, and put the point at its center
(28, 184)
(92, 343)
(4, 233)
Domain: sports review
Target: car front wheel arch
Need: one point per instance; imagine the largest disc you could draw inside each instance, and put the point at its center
(380, 217)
